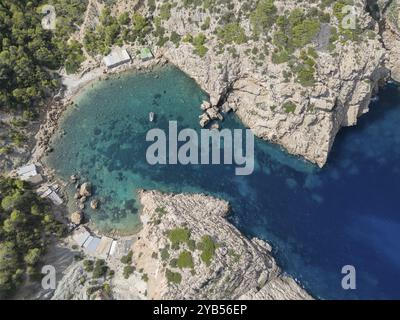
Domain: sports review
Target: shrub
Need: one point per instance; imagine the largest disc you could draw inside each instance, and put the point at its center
(185, 260)
(207, 246)
(128, 258)
(173, 263)
(164, 253)
(178, 236)
(289, 107)
(128, 270)
(198, 43)
(145, 277)
(173, 277)
(191, 245)
(231, 33)
(100, 269)
(264, 16)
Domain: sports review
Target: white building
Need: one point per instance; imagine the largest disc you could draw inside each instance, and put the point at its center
(29, 173)
(117, 57)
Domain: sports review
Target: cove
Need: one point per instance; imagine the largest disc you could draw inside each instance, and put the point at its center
(317, 220)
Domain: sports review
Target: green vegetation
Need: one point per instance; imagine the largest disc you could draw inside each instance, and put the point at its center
(289, 107)
(296, 30)
(206, 24)
(340, 12)
(100, 269)
(26, 228)
(305, 69)
(28, 51)
(128, 258)
(128, 270)
(198, 43)
(178, 236)
(145, 277)
(207, 247)
(164, 253)
(165, 11)
(173, 277)
(185, 260)
(173, 263)
(5, 150)
(161, 210)
(235, 257)
(105, 36)
(231, 33)
(191, 245)
(88, 265)
(263, 17)
(279, 57)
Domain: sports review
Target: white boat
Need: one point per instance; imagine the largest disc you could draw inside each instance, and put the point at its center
(151, 116)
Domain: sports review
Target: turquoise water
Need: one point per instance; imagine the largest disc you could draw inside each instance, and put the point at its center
(317, 220)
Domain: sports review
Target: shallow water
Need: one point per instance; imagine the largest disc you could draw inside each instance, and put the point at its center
(317, 220)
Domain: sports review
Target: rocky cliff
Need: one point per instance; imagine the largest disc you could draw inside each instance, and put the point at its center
(294, 72)
(391, 35)
(269, 98)
(187, 250)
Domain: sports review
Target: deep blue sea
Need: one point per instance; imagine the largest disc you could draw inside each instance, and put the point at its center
(317, 220)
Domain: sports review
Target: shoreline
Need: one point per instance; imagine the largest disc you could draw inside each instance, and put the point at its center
(72, 86)
(49, 123)
(253, 270)
(47, 131)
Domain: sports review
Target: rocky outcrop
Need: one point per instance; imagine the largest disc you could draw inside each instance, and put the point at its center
(187, 250)
(77, 217)
(345, 80)
(85, 190)
(94, 204)
(391, 36)
(76, 286)
(267, 95)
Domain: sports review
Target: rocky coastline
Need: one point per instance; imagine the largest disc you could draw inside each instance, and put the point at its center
(186, 249)
(344, 87)
(345, 83)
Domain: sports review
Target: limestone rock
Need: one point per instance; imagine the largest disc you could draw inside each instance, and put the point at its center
(204, 120)
(237, 268)
(347, 73)
(85, 190)
(94, 204)
(77, 217)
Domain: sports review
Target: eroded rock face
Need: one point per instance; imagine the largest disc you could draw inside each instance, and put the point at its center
(71, 286)
(345, 79)
(212, 260)
(242, 75)
(391, 36)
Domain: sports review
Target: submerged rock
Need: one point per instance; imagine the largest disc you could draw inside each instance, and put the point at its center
(94, 204)
(83, 199)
